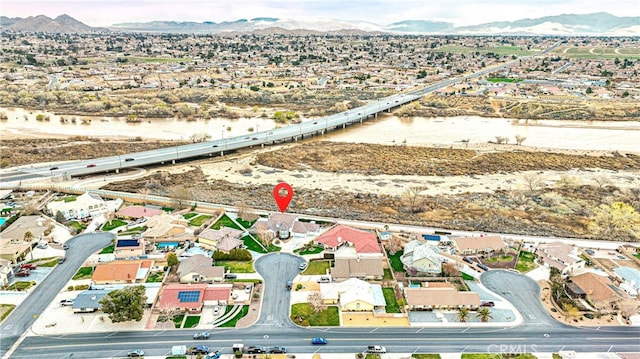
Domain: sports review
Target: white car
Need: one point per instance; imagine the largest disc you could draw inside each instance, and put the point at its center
(303, 266)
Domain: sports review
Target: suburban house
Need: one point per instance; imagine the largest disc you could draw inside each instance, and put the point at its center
(630, 278)
(88, 301)
(211, 238)
(15, 244)
(199, 268)
(284, 225)
(83, 206)
(137, 212)
(191, 298)
(129, 248)
(424, 257)
(597, 289)
(478, 245)
(562, 256)
(121, 272)
(167, 228)
(353, 267)
(354, 295)
(363, 243)
(6, 272)
(440, 296)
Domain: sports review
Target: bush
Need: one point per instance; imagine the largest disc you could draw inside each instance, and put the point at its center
(81, 287)
(70, 288)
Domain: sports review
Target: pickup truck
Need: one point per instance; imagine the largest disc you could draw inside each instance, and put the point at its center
(200, 349)
(28, 266)
(376, 349)
(256, 350)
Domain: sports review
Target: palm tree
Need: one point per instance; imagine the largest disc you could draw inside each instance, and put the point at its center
(484, 314)
(28, 236)
(463, 314)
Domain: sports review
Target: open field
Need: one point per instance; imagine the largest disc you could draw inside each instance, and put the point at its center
(597, 52)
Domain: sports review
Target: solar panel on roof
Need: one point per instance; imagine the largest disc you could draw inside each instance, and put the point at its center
(189, 296)
(127, 243)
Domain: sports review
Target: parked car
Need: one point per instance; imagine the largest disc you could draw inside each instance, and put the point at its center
(318, 341)
(277, 350)
(289, 284)
(256, 350)
(216, 310)
(66, 302)
(135, 353)
(376, 349)
(201, 335)
(29, 266)
(200, 349)
(61, 260)
(65, 246)
(42, 245)
(23, 273)
(303, 266)
(488, 304)
(230, 276)
(214, 355)
(247, 289)
(324, 280)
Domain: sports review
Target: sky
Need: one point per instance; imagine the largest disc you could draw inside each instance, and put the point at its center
(382, 12)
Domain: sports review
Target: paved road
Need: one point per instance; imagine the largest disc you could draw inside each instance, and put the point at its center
(80, 248)
(276, 269)
(539, 334)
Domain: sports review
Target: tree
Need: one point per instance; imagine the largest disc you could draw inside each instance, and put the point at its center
(616, 221)
(60, 217)
(316, 301)
(109, 216)
(125, 304)
(172, 259)
(412, 198)
(463, 314)
(484, 314)
(589, 91)
(28, 236)
(533, 181)
(450, 270)
(180, 196)
(571, 311)
(520, 139)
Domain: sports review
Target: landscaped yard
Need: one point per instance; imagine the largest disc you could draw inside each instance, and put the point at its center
(5, 310)
(425, 356)
(225, 221)
(155, 277)
(525, 262)
(637, 255)
(83, 273)
(189, 215)
(192, 321)
(21, 285)
(503, 258)
(396, 264)
(46, 262)
(237, 266)
(245, 224)
(252, 245)
(497, 356)
(113, 224)
(177, 320)
(79, 227)
(134, 230)
(387, 274)
(309, 250)
(303, 314)
(199, 220)
(390, 298)
(232, 322)
(317, 268)
(108, 249)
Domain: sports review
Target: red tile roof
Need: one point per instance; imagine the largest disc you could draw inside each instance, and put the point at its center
(169, 296)
(363, 241)
(218, 292)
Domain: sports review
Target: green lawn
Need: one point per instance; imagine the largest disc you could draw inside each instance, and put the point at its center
(155, 277)
(396, 264)
(225, 221)
(252, 245)
(637, 255)
(232, 322)
(83, 273)
(425, 356)
(108, 249)
(114, 224)
(390, 298)
(189, 215)
(21, 285)
(465, 276)
(309, 250)
(303, 314)
(79, 227)
(503, 79)
(134, 230)
(246, 224)
(497, 356)
(236, 266)
(387, 274)
(525, 262)
(199, 220)
(177, 320)
(192, 321)
(5, 310)
(317, 268)
(506, 258)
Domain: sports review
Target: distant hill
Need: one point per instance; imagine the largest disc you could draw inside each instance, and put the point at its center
(41, 23)
(596, 24)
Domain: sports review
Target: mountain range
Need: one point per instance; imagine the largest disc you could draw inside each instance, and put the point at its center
(595, 24)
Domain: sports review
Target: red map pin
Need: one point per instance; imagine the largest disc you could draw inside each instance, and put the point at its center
(283, 193)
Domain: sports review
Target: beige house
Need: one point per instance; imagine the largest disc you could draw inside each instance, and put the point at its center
(478, 245)
(211, 238)
(129, 248)
(13, 246)
(354, 295)
(84, 206)
(447, 297)
(562, 256)
(166, 228)
(199, 269)
(599, 290)
(422, 256)
(361, 268)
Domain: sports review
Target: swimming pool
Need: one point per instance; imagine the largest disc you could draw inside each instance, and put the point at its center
(2, 220)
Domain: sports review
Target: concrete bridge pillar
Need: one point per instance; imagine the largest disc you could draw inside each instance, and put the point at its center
(173, 162)
(221, 153)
